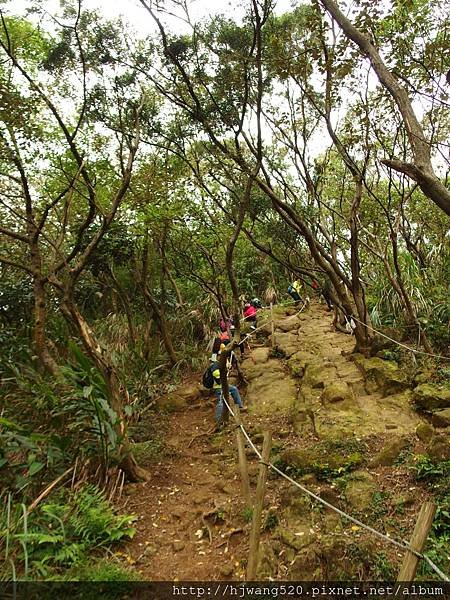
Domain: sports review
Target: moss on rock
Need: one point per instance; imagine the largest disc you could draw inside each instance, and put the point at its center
(360, 490)
(424, 432)
(432, 397)
(338, 391)
(384, 375)
(387, 455)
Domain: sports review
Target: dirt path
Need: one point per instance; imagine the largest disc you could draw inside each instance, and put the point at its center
(190, 513)
(193, 524)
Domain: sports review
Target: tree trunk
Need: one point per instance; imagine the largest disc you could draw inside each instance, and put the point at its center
(421, 170)
(363, 335)
(162, 326)
(126, 306)
(39, 333)
(126, 460)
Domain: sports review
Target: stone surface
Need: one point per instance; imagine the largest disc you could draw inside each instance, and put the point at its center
(287, 343)
(254, 370)
(384, 375)
(320, 459)
(439, 448)
(289, 324)
(178, 546)
(296, 539)
(260, 355)
(431, 397)
(299, 361)
(360, 490)
(441, 418)
(387, 455)
(305, 566)
(272, 392)
(317, 374)
(424, 432)
(337, 391)
(267, 562)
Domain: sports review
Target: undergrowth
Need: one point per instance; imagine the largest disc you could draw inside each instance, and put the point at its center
(60, 536)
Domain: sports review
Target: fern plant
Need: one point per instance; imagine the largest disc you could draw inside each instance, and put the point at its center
(62, 532)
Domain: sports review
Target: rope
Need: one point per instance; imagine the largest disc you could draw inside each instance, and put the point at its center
(384, 537)
(400, 343)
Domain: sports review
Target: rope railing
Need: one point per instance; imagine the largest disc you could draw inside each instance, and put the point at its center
(439, 356)
(384, 537)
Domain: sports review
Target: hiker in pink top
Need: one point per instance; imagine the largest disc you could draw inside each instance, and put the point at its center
(250, 314)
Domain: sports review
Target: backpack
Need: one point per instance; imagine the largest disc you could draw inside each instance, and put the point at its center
(208, 379)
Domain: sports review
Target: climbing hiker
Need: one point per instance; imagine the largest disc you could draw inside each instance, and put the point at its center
(294, 291)
(250, 314)
(327, 293)
(217, 388)
(215, 348)
(226, 324)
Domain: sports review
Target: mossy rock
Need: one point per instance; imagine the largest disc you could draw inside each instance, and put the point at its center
(432, 397)
(388, 455)
(441, 418)
(384, 375)
(424, 432)
(439, 448)
(298, 539)
(289, 324)
(267, 562)
(172, 402)
(260, 355)
(304, 567)
(254, 370)
(360, 490)
(295, 502)
(147, 452)
(321, 460)
(272, 393)
(338, 391)
(318, 375)
(423, 377)
(190, 392)
(299, 361)
(287, 343)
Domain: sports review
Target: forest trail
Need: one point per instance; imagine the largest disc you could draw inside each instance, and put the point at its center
(192, 522)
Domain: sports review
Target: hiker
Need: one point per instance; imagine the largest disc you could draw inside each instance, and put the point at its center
(215, 348)
(217, 388)
(327, 293)
(226, 324)
(250, 314)
(294, 291)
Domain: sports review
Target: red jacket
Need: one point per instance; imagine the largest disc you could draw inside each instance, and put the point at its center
(250, 312)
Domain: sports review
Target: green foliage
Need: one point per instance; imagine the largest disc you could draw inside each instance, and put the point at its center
(383, 569)
(271, 520)
(62, 532)
(379, 506)
(100, 570)
(247, 514)
(426, 469)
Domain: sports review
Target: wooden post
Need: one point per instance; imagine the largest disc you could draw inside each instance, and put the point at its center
(417, 543)
(242, 459)
(257, 509)
(272, 325)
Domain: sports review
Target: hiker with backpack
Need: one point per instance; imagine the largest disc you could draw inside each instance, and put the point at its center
(294, 291)
(211, 380)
